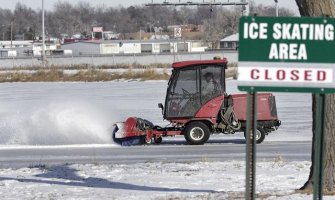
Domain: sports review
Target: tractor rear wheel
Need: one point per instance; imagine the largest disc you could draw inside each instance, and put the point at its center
(158, 140)
(260, 135)
(196, 133)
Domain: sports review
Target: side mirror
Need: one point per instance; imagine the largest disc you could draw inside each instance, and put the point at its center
(160, 105)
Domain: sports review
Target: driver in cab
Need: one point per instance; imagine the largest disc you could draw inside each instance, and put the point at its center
(210, 88)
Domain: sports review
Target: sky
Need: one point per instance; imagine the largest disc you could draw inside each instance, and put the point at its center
(36, 4)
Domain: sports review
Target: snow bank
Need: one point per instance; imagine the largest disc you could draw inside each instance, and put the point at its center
(200, 180)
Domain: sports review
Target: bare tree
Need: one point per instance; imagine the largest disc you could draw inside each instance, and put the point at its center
(262, 10)
(69, 19)
(5, 19)
(323, 8)
(223, 23)
(85, 13)
(24, 20)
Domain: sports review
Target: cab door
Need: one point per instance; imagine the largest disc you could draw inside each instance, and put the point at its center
(214, 85)
(212, 82)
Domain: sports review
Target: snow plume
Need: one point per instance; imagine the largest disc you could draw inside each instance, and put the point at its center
(69, 122)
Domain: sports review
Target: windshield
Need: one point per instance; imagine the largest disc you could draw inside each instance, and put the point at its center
(183, 98)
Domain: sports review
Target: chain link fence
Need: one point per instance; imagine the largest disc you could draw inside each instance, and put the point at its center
(115, 59)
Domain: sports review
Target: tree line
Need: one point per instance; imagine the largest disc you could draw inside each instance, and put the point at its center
(69, 19)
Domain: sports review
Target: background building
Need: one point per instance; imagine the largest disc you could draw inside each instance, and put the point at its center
(93, 47)
(230, 42)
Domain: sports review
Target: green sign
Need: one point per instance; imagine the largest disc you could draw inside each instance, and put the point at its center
(290, 54)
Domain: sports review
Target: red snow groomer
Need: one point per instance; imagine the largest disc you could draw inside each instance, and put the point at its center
(197, 106)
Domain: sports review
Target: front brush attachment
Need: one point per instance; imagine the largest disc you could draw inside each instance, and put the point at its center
(131, 132)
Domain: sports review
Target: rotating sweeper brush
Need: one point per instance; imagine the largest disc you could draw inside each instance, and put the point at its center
(133, 131)
(197, 106)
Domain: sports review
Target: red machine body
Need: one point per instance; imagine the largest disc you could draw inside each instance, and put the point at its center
(265, 112)
(196, 113)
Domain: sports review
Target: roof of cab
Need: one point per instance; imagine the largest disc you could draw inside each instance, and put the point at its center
(199, 62)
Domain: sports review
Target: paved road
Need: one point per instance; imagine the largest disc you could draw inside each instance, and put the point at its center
(171, 151)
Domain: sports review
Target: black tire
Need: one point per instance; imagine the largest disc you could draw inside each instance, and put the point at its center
(260, 135)
(196, 133)
(158, 140)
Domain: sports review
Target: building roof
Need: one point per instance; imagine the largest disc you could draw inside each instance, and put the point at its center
(127, 41)
(17, 42)
(231, 38)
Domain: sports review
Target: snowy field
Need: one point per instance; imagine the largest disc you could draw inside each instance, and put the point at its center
(202, 180)
(44, 114)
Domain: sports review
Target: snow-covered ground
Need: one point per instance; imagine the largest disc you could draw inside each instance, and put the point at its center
(202, 180)
(82, 114)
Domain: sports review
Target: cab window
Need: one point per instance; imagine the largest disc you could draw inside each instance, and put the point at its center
(183, 99)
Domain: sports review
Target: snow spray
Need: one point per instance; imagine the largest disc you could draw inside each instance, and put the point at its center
(58, 123)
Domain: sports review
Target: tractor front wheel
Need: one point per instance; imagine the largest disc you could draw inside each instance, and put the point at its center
(196, 133)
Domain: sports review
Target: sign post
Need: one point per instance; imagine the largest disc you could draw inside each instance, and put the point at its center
(319, 146)
(251, 147)
(287, 54)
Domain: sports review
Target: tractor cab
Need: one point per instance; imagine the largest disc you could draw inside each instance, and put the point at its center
(192, 85)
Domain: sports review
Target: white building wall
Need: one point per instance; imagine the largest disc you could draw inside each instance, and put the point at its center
(130, 48)
(37, 49)
(8, 52)
(174, 47)
(112, 48)
(83, 48)
(155, 48)
(88, 48)
(12, 53)
(16, 44)
(197, 47)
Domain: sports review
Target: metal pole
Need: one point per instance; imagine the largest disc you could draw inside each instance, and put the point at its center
(248, 8)
(43, 36)
(210, 24)
(250, 186)
(245, 8)
(277, 8)
(319, 147)
(11, 34)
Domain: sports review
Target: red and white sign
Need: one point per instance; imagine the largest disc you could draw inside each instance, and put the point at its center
(285, 74)
(98, 29)
(177, 32)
